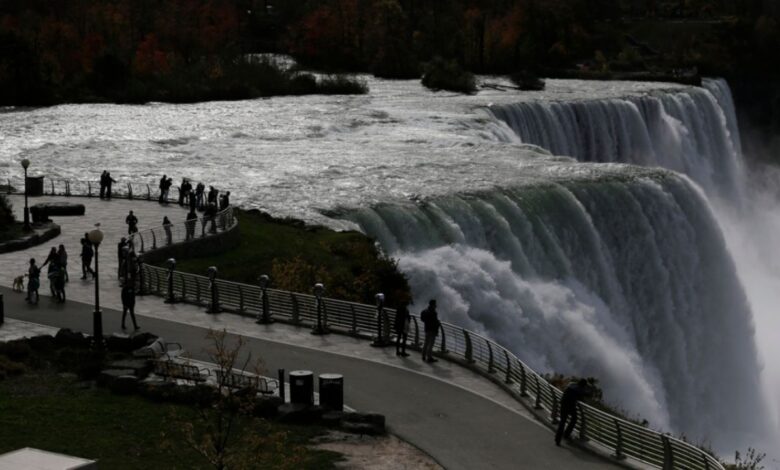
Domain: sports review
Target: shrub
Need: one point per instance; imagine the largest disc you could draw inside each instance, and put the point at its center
(341, 85)
(9, 368)
(527, 81)
(6, 212)
(443, 74)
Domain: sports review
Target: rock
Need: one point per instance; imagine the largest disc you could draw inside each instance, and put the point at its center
(108, 376)
(66, 338)
(297, 413)
(16, 350)
(42, 343)
(119, 342)
(140, 340)
(124, 384)
(140, 367)
(267, 407)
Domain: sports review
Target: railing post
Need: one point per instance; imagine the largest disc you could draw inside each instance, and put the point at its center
(583, 423)
(67, 188)
(538, 401)
(2, 310)
(469, 351)
(141, 237)
(157, 281)
(141, 277)
(619, 455)
(198, 295)
(296, 309)
(154, 240)
(148, 193)
(554, 411)
(240, 299)
(491, 366)
(130, 191)
(508, 378)
(382, 336)
(416, 333)
(89, 189)
(214, 305)
(443, 349)
(353, 328)
(183, 287)
(171, 299)
(668, 453)
(523, 381)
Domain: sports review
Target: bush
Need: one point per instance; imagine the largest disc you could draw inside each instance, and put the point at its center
(442, 74)
(527, 81)
(341, 85)
(9, 368)
(6, 212)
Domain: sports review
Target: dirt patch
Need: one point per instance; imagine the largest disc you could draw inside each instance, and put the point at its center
(375, 452)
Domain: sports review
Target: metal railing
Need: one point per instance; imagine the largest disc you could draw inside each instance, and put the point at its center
(165, 235)
(623, 439)
(91, 188)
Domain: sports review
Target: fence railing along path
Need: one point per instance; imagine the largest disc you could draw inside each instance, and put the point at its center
(623, 439)
(617, 436)
(91, 188)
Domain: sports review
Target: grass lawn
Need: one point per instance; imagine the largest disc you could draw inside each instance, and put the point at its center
(57, 413)
(296, 256)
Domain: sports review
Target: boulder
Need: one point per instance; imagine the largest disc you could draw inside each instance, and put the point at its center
(66, 338)
(124, 384)
(42, 343)
(41, 212)
(140, 340)
(297, 413)
(140, 367)
(119, 342)
(108, 376)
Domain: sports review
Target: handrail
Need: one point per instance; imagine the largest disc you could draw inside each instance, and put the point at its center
(620, 437)
(161, 236)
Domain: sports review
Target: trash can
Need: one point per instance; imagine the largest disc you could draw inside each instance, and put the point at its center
(34, 185)
(332, 391)
(302, 387)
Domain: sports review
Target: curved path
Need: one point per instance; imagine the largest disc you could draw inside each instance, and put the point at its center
(459, 418)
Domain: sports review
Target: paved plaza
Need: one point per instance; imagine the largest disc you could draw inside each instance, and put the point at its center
(458, 417)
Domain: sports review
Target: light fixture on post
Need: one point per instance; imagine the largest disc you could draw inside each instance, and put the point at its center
(171, 299)
(265, 314)
(320, 328)
(27, 228)
(95, 237)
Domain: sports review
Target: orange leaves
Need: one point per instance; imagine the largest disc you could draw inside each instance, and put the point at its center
(149, 58)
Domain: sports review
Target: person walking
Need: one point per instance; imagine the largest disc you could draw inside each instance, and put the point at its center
(166, 223)
(192, 220)
(33, 282)
(121, 256)
(200, 190)
(132, 223)
(128, 304)
(430, 319)
(53, 260)
(86, 258)
(571, 396)
(63, 258)
(59, 284)
(163, 196)
(182, 191)
(212, 196)
(402, 321)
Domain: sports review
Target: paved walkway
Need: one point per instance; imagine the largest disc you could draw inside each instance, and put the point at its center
(459, 418)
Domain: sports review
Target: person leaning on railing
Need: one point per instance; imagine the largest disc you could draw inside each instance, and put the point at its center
(571, 396)
(192, 220)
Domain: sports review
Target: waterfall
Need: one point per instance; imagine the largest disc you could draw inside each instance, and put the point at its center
(624, 279)
(693, 131)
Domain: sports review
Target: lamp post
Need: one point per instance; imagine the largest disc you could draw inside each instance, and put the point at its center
(380, 340)
(265, 316)
(171, 299)
(27, 228)
(320, 328)
(96, 237)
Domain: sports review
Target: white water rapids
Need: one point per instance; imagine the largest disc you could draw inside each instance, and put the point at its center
(604, 269)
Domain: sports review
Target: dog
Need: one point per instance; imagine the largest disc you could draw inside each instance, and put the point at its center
(19, 283)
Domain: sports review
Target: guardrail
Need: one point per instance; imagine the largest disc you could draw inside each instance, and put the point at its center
(621, 438)
(165, 235)
(91, 188)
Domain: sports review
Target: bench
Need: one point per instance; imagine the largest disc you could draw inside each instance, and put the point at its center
(241, 381)
(169, 369)
(41, 212)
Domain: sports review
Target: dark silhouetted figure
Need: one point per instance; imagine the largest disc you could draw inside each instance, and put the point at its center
(224, 201)
(402, 320)
(53, 260)
(86, 258)
(166, 223)
(33, 283)
(128, 304)
(63, 255)
(109, 182)
(132, 223)
(200, 190)
(212, 196)
(430, 319)
(571, 396)
(182, 191)
(121, 255)
(192, 220)
(103, 184)
(163, 189)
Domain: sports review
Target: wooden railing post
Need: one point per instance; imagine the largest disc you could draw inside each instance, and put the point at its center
(538, 401)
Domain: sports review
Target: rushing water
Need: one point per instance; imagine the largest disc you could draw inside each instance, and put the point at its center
(603, 269)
